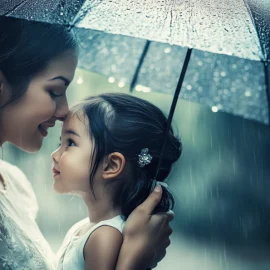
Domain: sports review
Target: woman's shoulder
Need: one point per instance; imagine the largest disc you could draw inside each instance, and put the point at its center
(17, 188)
(14, 178)
(7, 172)
(10, 169)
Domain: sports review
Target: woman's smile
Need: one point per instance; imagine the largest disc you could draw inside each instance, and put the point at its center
(43, 128)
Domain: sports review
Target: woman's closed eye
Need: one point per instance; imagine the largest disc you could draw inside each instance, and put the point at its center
(54, 95)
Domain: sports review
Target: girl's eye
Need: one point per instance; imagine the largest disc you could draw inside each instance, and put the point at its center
(70, 142)
(53, 95)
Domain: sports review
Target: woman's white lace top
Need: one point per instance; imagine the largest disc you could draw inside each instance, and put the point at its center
(22, 245)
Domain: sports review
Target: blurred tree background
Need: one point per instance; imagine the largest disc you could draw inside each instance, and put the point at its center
(221, 184)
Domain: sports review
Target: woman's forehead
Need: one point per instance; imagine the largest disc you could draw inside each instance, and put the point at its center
(61, 66)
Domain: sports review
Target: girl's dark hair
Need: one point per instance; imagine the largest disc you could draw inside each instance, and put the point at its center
(27, 47)
(127, 124)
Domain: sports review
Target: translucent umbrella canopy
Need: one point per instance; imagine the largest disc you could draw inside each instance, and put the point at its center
(228, 71)
(225, 83)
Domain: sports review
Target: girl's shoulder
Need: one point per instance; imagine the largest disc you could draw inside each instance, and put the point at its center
(97, 253)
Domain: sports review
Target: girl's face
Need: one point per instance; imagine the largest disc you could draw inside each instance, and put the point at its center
(25, 121)
(72, 160)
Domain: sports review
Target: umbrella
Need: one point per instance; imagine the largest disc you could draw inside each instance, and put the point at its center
(145, 43)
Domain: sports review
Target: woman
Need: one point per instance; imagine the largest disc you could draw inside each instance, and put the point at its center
(37, 63)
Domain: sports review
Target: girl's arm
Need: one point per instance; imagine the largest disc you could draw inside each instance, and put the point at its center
(146, 236)
(102, 248)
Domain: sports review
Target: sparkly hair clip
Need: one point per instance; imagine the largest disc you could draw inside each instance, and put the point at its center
(144, 158)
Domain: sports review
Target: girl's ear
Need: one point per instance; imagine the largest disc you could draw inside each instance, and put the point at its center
(113, 165)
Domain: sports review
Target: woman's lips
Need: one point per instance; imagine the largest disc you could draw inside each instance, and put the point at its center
(43, 130)
(55, 172)
(44, 127)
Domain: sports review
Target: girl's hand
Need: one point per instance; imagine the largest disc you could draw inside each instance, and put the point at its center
(146, 236)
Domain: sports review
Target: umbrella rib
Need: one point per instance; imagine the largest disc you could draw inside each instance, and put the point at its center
(174, 102)
(136, 74)
(267, 84)
(256, 28)
(78, 17)
(15, 7)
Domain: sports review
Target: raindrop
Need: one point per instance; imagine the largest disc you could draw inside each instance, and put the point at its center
(167, 50)
(189, 87)
(214, 109)
(248, 93)
(121, 84)
(138, 88)
(141, 88)
(146, 90)
(80, 80)
(111, 80)
(223, 74)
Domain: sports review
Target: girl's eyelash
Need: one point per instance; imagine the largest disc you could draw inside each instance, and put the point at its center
(70, 141)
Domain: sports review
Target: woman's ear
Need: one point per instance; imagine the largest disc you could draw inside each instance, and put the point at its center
(113, 165)
(2, 77)
(4, 89)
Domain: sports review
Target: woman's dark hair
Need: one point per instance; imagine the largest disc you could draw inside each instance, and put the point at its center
(127, 124)
(27, 47)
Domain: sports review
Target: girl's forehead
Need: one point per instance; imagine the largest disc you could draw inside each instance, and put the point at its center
(76, 121)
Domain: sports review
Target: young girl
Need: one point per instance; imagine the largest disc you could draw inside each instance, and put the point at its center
(110, 149)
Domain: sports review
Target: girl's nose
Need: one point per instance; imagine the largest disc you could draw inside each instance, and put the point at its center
(55, 156)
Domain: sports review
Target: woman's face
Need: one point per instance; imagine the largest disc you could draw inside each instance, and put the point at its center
(25, 121)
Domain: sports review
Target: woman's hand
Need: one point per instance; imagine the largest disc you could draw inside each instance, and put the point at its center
(146, 236)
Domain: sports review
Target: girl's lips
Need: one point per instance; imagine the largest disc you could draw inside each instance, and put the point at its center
(55, 172)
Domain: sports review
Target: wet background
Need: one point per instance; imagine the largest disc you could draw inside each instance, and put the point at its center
(221, 184)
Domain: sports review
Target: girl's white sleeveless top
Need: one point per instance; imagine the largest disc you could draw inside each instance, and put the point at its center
(70, 255)
(22, 245)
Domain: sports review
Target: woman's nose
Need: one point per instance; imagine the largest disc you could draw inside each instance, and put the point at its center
(61, 109)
